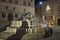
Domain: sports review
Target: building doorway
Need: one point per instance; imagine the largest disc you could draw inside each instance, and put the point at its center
(58, 21)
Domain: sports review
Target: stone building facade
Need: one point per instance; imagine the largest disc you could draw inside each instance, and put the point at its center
(17, 8)
(51, 11)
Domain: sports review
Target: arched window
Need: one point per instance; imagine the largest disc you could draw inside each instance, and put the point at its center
(24, 2)
(14, 8)
(29, 3)
(31, 0)
(16, 15)
(3, 0)
(3, 15)
(16, 1)
(7, 7)
(10, 1)
(31, 22)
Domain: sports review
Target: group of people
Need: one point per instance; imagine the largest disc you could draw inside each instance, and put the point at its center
(47, 31)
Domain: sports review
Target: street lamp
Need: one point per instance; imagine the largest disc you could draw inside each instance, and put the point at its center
(43, 16)
(47, 8)
(41, 3)
(40, 14)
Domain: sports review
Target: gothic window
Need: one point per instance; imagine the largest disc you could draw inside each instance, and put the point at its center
(14, 8)
(16, 1)
(6, 7)
(24, 2)
(31, 0)
(3, 0)
(3, 15)
(31, 22)
(10, 1)
(16, 16)
(29, 3)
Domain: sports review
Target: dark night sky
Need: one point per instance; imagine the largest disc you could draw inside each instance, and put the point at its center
(37, 2)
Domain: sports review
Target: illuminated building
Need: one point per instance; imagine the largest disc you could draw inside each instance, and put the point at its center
(17, 8)
(51, 10)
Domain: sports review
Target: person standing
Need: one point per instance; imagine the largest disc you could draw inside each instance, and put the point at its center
(44, 26)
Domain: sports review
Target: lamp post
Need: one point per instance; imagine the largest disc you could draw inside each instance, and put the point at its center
(41, 13)
(40, 3)
(48, 10)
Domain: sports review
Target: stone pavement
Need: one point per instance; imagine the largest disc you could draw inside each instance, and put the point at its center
(38, 36)
(5, 35)
(32, 36)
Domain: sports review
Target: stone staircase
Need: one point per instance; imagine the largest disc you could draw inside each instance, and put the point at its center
(7, 33)
(10, 30)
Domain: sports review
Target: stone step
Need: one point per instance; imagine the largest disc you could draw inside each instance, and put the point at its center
(1, 39)
(11, 30)
(5, 35)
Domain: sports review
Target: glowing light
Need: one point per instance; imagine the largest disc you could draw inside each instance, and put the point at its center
(48, 8)
(41, 3)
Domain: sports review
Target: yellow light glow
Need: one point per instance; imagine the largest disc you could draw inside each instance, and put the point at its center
(53, 17)
(48, 8)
